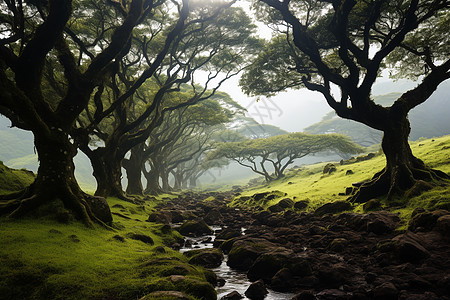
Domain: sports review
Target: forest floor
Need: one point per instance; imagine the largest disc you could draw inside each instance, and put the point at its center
(295, 240)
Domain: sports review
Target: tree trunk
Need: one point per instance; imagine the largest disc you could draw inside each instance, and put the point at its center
(153, 187)
(402, 171)
(133, 168)
(107, 172)
(193, 182)
(165, 181)
(56, 180)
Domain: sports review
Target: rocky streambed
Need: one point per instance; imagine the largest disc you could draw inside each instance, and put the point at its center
(318, 255)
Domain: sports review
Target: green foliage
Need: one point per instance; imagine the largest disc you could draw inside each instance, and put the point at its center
(43, 259)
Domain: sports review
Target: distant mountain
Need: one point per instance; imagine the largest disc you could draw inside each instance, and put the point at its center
(430, 119)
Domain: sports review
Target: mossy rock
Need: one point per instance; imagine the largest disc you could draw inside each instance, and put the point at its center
(243, 253)
(269, 263)
(195, 228)
(208, 258)
(166, 295)
(333, 208)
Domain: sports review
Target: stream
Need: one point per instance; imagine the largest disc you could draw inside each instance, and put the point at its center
(234, 280)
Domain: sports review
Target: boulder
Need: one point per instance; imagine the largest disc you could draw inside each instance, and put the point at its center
(256, 291)
(333, 207)
(443, 225)
(234, 295)
(141, 237)
(302, 204)
(408, 247)
(269, 263)
(244, 252)
(385, 291)
(329, 168)
(213, 217)
(333, 294)
(195, 228)
(282, 281)
(208, 258)
(425, 220)
(286, 203)
(162, 295)
(162, 217)
(275, 208)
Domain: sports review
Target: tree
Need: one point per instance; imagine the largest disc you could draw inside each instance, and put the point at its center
(205, 39)
(282, 150)
(346, 44)
(37, 36)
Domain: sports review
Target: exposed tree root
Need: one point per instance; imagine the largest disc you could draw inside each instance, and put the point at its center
(26, 202)
(397, 182)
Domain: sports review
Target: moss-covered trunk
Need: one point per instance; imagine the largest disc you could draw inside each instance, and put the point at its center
(55, 180)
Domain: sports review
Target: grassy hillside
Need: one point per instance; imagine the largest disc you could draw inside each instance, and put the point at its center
(310, 183)
(43, 259)
(12, 180)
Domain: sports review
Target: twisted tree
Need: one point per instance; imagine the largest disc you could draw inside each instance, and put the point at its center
(346, 44)
(38, 36)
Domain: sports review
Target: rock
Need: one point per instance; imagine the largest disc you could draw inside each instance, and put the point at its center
(260, 196)
(338, 245)
(232, 296)
(425, 220)
(194, 228)
(385, 291)
(300, 267)
(408, 247)
(228, 233)
(256, 291)
(162, 295)
(275, 208)
(302, 204)
(269, 263)
(361, 221)
(282, 281)
(349, 172)
(329, 168)
(100, 208)
(244, 252)
(162, 217)
(208, 258)
(333, 294)
(333, 207)
(141, 237)
(443, 225)
(213, 217)
(305, 295)
(371, 205)
(286, 203)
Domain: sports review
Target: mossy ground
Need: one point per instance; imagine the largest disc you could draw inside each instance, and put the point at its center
(44, 259)
(309, 182)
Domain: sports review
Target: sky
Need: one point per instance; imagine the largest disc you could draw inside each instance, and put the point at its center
(293, 110)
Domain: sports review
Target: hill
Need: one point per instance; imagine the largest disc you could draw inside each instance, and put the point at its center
(311, 184)
(428, 120)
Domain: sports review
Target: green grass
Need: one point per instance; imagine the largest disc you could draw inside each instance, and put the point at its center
(43, 259)
(12, 180)
(309, 182)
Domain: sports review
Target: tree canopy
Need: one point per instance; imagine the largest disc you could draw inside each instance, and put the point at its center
(346, 44)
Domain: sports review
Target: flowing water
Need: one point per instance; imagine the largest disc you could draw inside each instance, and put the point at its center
(234, 280)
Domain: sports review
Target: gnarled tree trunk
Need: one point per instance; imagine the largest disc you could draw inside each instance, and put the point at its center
(133, 167)
(402, 171)
(56, 180)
